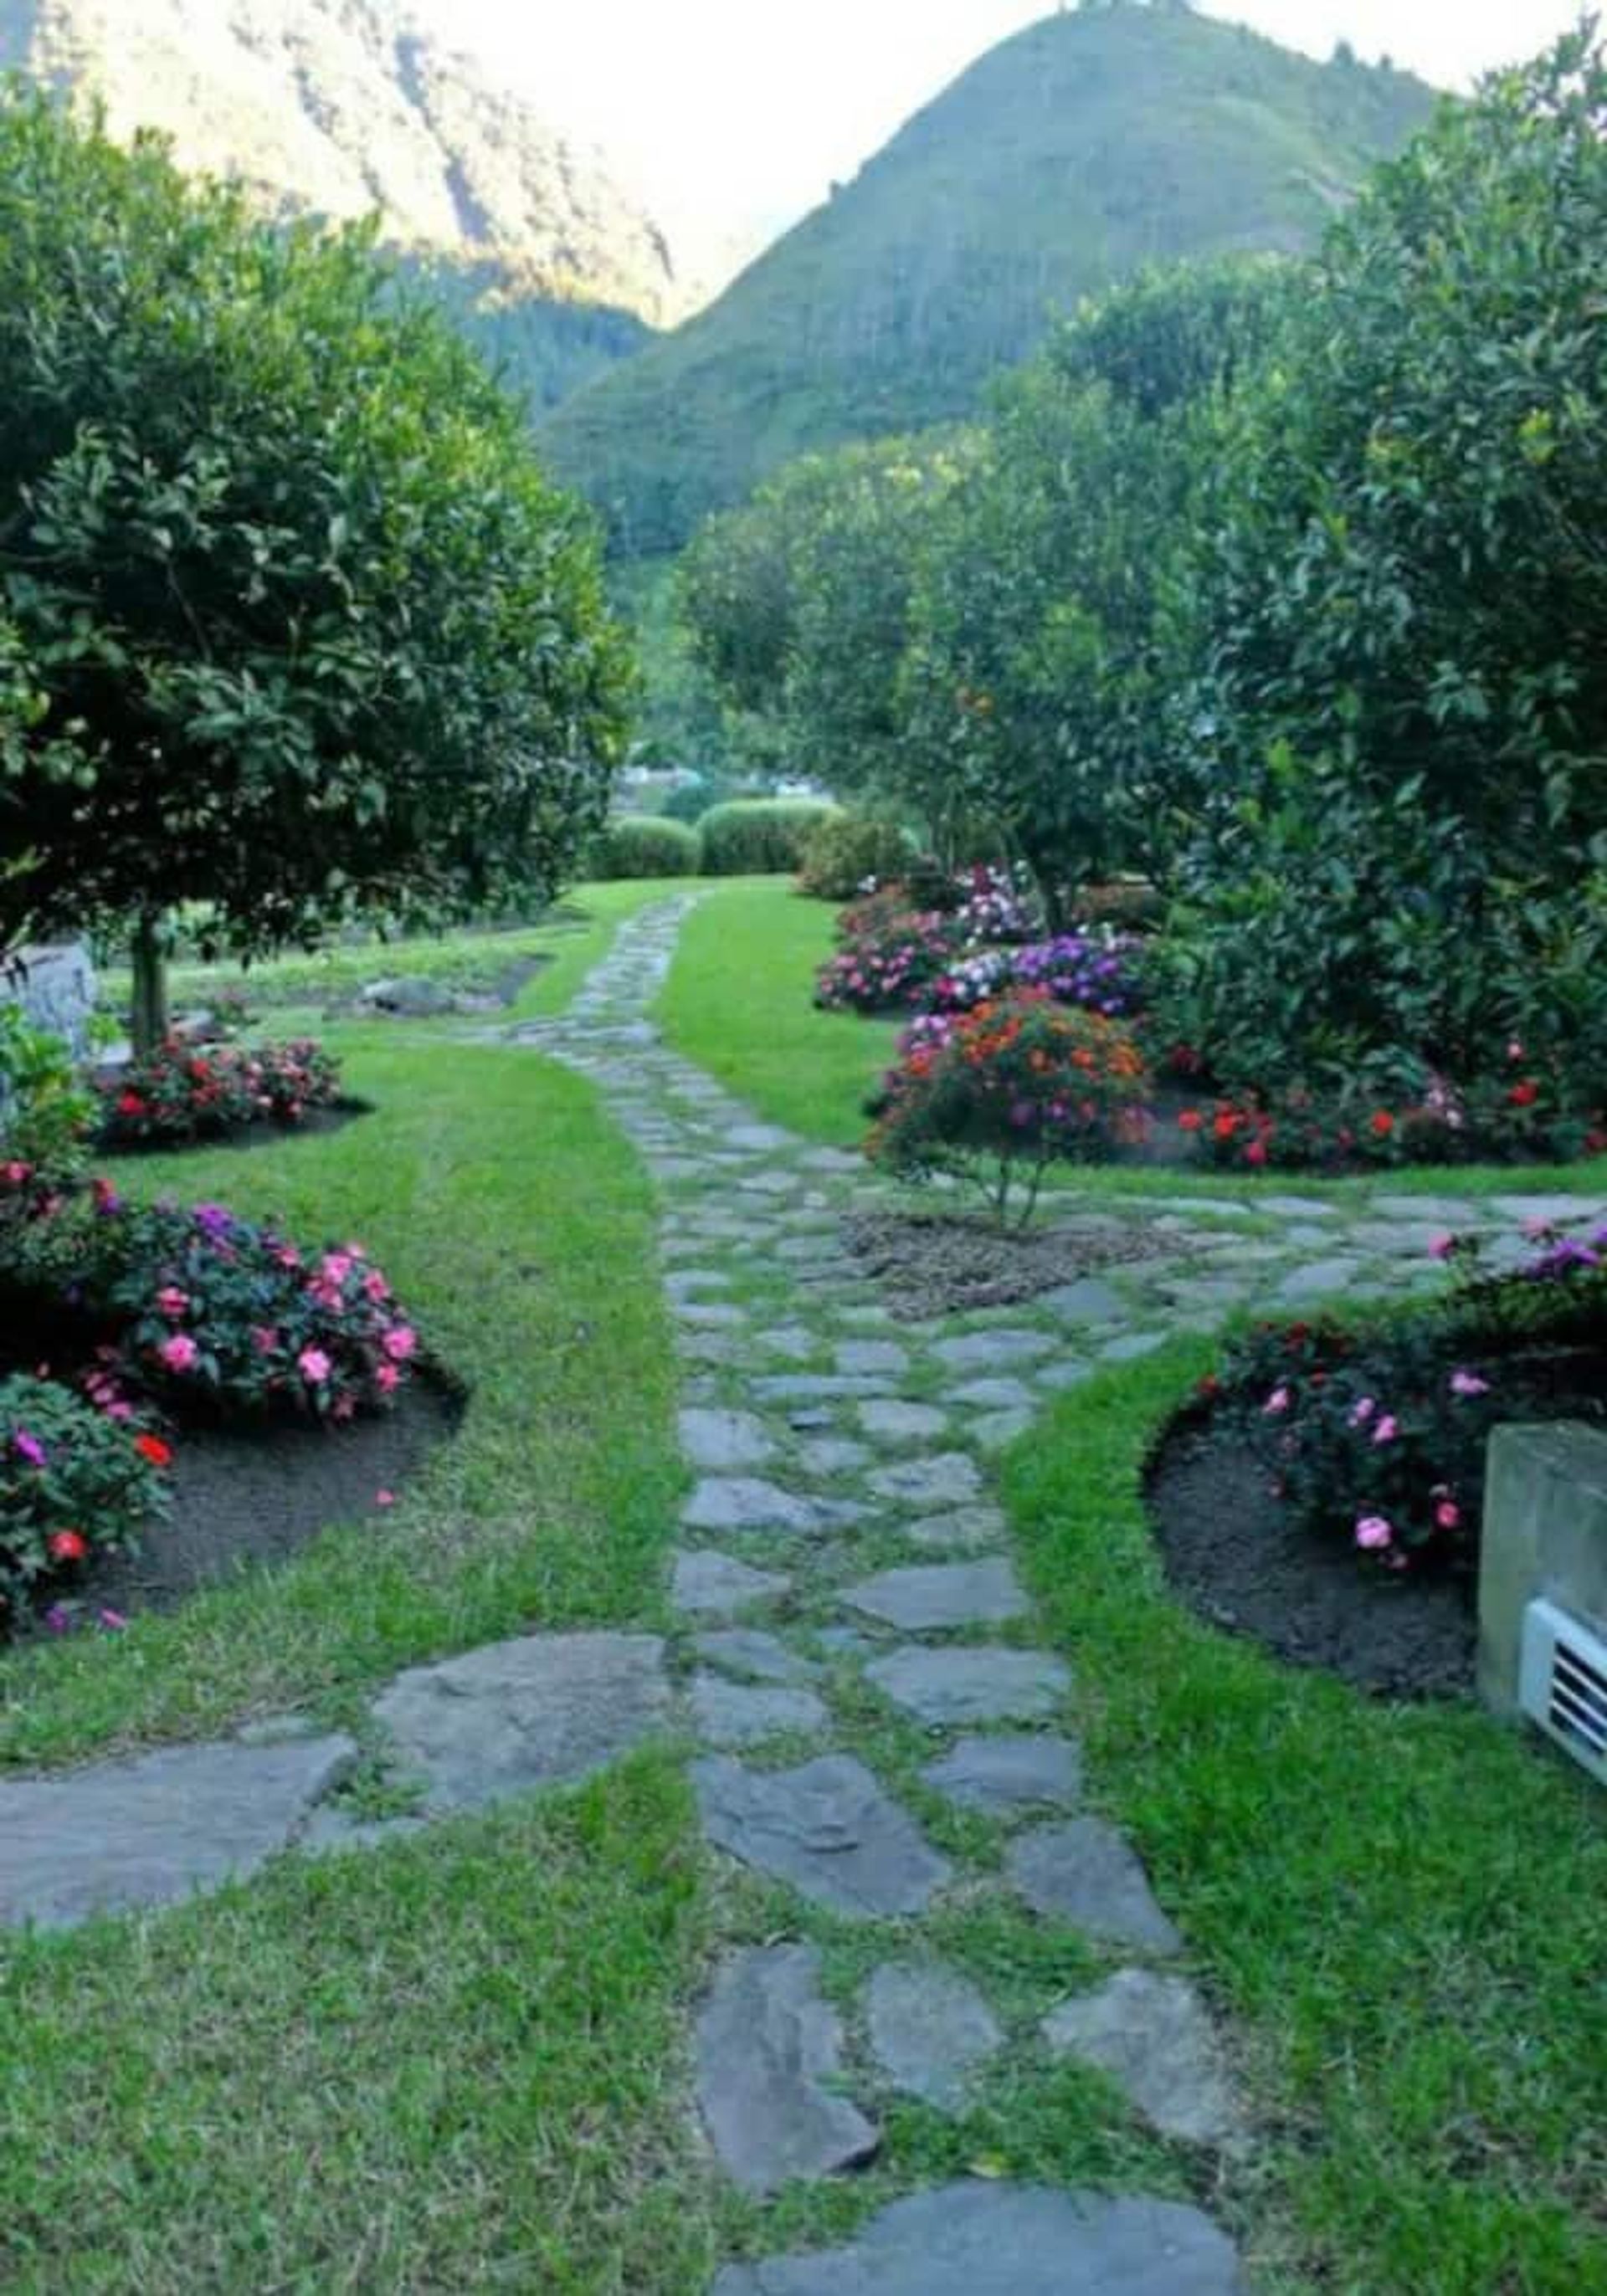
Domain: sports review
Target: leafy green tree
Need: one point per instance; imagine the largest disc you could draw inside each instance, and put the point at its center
(293, 625)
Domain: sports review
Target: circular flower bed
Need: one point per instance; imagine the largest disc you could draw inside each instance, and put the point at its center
(185, 1093)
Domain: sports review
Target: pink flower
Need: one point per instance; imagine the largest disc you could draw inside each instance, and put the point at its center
(336, 1266)
(1387, 1430)
(1442, 1247)
(387, 1378)
(399, 1342)
(113, 1621)
(314, 1365)
(1374, 1533)
(264, 1338)
(1255, 1153)
(171, 1300)
(385, 1498)
(1468, 1383)
(1448, 1515)
(30, 1448)
(376, 1286)
(1364, 1412)
(179, 1352)
(1276, 1402)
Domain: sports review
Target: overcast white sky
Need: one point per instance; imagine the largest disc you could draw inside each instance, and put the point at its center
(748, 108)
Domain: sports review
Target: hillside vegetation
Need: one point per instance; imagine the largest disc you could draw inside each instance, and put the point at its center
(1060, 162)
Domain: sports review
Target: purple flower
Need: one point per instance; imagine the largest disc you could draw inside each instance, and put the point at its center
(1467, 1383)
(30, 1448)
(58, 1620)
(214, 1221)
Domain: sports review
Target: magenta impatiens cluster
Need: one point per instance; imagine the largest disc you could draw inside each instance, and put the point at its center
(185, 1092)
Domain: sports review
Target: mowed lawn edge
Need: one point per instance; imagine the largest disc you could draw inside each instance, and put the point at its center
(1403, 1909)
(518, 1228)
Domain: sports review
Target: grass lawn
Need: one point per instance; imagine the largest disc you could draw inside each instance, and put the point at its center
(1403, 1909)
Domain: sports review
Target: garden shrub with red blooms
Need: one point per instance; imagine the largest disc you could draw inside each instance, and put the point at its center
(191, 1092)
(75, 1483)
(1004, 1092)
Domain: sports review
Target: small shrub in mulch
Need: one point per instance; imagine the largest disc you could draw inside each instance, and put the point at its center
(184, 1093)
(1326, 1492)
(929, 1264)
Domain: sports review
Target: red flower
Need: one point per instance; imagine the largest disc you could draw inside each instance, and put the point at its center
(1384, 1123)
(1255, 1153)
(130, 1104)
(152, 1449)
(1225, 1125)
(68, 1546)
(1524, 1094)
(1189, 1120)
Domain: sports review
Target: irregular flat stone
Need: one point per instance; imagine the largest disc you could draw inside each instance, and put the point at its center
(756, 1138)
(739, 1714)
(962, 1528)
(985, 1350)
(993, 1395)
(706, 1582)
(894, 1422)
(1000, 1776)
(833, 1455)
(931, 2030)
(948, 1476)
(996, 1431)
(856, 1356)
(543, 1710)
(1091, 1875)
(714, 1315)
(767, 2044)
(745, 1503)
(829, 1828)
(752, 1656)
(1450, 1212)
(814, 1387)
(683, 1281)
(1551, 1210)
(949, 1687)
(1153, 2035)
(1056, 1377)
(769, 1183)
(1318, 1276)
(1089, 1300)
(982, 2238)
(790, 1341)
(157, 1828)
(931, 1595)
(1132, 1347)
(721, 1441)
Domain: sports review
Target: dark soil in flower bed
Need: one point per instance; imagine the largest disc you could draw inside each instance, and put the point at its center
(933, 1264)
(1232, 1551)
(265, 1132)
(245, 1498)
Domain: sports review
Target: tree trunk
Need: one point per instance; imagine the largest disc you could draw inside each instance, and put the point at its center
(150, 1014)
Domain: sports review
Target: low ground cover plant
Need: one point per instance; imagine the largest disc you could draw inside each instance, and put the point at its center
(185, 1092)
(1377, 1434)
(999, 1095)
(79, 1478)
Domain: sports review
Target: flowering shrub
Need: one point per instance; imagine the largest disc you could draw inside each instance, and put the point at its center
(890, 956)
(841, 854)
(999, 904)
(1000, 1094)
(190, 1092)
(1092, 969)
(75, 1482)
(1379, 1439)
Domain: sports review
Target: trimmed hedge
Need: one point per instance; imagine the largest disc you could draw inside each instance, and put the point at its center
(644, 845)
(840, 853)
(759, 837)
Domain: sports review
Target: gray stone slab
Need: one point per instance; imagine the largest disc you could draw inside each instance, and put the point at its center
(1003, 1776)
(747, 1503)
(752, 1656)
(755, 1139)
(996, 1431)
(1089, 1874)
(931, 2030)
(1153, 2035)
(709, 1583)
(1068, 1372)
(949, 1477)
(1454, 1213)
(960, 1529)
(891, 1421)
(993, 1395)
(1090, 1300)
(768, 2044)
(827, 1827)
(710, 1316)
(982, 2239)
(790, 1341)
(1281, 1207)
(986, 1351)
(856, 1357)
(833, 1455)
(814, 1387)
(543, 1710)
(1318, 1277)
(935, 1595)
(1558, 1209)
(744, 1714)
(950, 1687)
(721, 1441)
(1132, 1347)
(157, 1828)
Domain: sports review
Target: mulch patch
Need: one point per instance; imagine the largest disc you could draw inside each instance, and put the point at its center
(933, 1264)
(264, 1133)
(248, 1498)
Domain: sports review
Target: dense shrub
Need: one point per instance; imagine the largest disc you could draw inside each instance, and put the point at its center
(891, 956)
(845, 853)
(758, 837)
(1378, 1436)
(1093, 969)
(1003, 1092)
(186, 1092)
(77, 1480)
(644, 845)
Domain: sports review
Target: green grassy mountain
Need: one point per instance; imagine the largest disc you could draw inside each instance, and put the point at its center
(1066, 157)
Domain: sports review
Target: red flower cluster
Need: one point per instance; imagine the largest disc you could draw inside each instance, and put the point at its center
(186, 1092)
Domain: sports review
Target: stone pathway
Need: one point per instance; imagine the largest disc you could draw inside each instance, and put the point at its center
(841, 1542)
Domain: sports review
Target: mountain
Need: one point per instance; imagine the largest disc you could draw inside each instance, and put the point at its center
(1068, 156)
(341, 107)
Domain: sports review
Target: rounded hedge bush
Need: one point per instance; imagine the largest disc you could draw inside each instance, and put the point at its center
(644, 845)
(843, 852)
(759, 837)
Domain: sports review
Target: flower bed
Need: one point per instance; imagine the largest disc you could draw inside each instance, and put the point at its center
(184, 1093)
(79, 1478)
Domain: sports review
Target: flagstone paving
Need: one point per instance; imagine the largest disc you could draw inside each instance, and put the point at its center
(839, 1463)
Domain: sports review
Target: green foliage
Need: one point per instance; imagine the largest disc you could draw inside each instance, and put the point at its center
(758, 837)
(839, 855)
(45, 1111)
(542, 347)
(1065, 158)
(643, 845)
(74, 1483)
(292, 624)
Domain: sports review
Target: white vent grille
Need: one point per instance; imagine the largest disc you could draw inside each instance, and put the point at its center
(1563, 1684)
